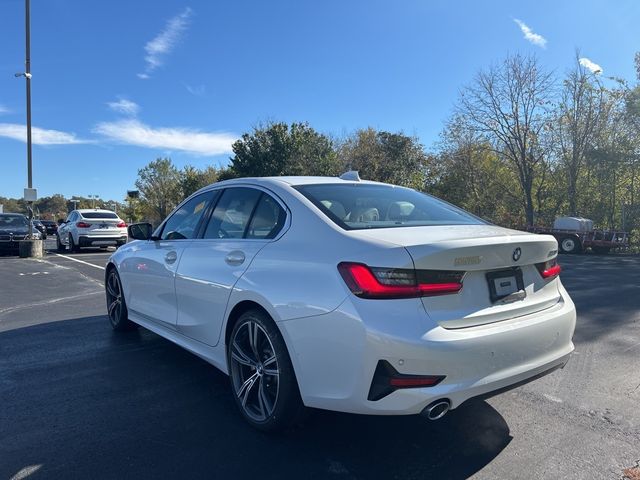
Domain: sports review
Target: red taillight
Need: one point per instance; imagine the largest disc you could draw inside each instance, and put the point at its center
(83, 225)
(122, 225)
(373, 282)
(549, 269)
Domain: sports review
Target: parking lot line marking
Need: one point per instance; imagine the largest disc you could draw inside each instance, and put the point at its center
(79, 261)
(4, 311)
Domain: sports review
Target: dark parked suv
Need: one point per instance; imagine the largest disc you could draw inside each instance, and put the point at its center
(50, 225)
(13, 228)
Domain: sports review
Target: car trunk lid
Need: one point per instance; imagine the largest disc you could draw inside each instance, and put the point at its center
(501, 280)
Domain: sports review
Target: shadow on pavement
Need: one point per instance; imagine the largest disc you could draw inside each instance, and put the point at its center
(79, 401)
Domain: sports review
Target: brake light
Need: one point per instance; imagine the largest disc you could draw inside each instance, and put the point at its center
(83, 225)
(376, 283)
(549, 269)
(122, 224)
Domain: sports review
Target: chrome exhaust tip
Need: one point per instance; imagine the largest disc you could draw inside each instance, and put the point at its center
(436, 410)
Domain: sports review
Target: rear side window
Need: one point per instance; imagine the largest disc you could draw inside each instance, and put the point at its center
(183, 223)
(357, 206)
(231, 216)
(267, 220)
(99, 215)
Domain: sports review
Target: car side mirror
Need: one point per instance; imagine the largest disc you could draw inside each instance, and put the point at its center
(140, 231)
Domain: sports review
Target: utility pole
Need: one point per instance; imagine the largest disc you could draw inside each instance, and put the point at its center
(31, 194)
(27, 74)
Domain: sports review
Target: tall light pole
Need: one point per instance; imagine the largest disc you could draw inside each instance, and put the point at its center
(27, 75)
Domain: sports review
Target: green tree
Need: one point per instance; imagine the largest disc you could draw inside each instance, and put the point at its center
(280, 149)
(53, 207)
(386, 157)
(193, 179)
(468, 173)
(159, 186)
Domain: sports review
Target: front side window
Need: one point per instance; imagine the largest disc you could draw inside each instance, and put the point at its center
(184, 222)
(231, 216)
(361, 206)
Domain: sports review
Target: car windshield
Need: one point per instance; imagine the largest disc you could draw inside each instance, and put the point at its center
(361, 206)
(13, 221)
(98, 215)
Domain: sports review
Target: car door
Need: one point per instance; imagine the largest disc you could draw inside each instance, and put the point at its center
(148, 273)
(243, 221)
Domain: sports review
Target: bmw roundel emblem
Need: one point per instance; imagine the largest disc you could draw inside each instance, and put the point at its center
(517, 253)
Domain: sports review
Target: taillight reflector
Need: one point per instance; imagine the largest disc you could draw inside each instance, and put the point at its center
(409, 382)
(374, 282)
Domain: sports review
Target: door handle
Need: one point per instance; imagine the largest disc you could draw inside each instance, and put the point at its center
(171, 257)
(235, 258)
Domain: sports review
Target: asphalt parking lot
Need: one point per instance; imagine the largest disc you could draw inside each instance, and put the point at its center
(79, 401)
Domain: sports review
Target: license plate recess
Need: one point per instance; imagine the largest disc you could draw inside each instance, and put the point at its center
(503, 283)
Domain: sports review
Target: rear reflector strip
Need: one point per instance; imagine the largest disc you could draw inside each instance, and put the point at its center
(386, 380)
(378, 283)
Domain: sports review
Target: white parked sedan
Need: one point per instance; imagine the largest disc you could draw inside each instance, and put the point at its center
(91, 228)
(344, 295)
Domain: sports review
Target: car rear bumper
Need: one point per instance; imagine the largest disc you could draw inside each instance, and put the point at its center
(102, 240)
(336, 354)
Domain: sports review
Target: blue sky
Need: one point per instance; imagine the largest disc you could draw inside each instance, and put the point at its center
(117, 84)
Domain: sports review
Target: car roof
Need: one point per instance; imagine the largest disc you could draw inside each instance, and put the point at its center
(294, 181)
(99, 210)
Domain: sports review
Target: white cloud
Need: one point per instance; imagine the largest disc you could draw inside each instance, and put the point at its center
(530, 36)
(134, 132)
(125, 106)
(4, 110)
(39, 136)
(164, 42)
(197, 90)
(591, 66)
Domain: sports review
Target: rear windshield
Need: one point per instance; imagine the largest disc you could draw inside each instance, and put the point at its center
(98, 215)
(361, 206)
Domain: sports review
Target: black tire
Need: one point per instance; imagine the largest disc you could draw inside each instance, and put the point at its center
(72, 245)
(601, 250)
(59, 245)
(271, 402)
(570, 245)
(116, 306)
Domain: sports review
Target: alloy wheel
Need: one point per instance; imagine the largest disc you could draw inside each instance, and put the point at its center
(114, 298)
(254, 371)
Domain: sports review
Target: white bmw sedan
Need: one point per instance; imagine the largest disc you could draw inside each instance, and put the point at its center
(344, 295)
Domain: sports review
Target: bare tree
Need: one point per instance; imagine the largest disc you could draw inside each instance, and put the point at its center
(576, 120)
(510, 104)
